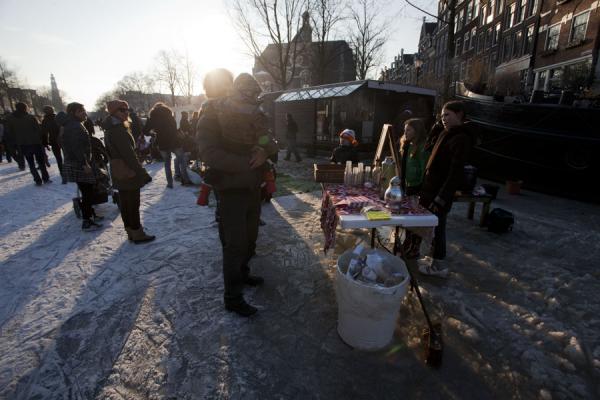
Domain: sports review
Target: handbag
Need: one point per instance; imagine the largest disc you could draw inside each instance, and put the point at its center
(120, 170)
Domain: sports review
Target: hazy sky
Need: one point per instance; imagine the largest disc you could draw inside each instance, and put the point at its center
(90, 44)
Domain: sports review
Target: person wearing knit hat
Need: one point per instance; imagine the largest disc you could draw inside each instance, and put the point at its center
(347, 150)
(131, 176)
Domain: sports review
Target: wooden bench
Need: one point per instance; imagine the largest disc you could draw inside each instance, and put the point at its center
(466, 197)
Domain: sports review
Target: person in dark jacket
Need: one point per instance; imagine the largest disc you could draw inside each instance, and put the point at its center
(78, 165)
(137, 125)
(50, 133)
(443, 175)
(121, 146)
(26, 130)
(184, 123)
(163, 123)
(10, 145)
(291, 132)
(234, 142)
(346, 151)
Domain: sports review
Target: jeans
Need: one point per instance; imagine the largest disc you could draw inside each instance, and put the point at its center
(36, 151)
(180, 165)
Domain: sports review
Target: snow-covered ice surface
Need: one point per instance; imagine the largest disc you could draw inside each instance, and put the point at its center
(90, 315)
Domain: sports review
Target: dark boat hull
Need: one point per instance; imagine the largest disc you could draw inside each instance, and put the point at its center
(545, 144)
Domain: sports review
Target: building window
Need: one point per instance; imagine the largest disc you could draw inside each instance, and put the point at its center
(457, 47)
(461, 18)
(510, 15)
(518, 44)
(506, 48)
(552, 37)
(533, 4)
(522, 10)
(481, 42)
(493, 60)
(467, 41)
(456, 22)
(469, 11)
(529, 40)
(579, 27)
(576, 75)
(499, 7)
(523, 79)
(496, 37)
(555, 80)
(541, 80)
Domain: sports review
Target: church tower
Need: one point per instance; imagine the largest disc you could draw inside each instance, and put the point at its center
(57, 102)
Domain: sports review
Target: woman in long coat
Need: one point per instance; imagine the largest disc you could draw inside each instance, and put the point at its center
(121, 146)
(78, 165)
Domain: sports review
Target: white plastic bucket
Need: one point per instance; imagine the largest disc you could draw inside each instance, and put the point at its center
(366, 313)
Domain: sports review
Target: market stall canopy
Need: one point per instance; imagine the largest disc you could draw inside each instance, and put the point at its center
(346, 88)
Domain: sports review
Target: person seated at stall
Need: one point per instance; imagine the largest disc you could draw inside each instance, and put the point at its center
(347, 150)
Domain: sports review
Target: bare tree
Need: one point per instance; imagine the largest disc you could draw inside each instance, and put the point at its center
(325, 15)
(8, 79)
(273, 22)
(369, 36)
(136, 81)
(187, 77)
(168, 70)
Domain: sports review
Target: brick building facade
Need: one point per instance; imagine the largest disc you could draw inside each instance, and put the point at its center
(511, 47)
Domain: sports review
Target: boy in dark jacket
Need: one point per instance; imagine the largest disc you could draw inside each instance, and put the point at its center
(346, 151)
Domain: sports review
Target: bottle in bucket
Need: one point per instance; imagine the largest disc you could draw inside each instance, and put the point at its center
(203, 196)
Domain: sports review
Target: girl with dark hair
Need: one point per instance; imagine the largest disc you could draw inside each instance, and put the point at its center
(414, 155)
(443, 174)
(163, 123)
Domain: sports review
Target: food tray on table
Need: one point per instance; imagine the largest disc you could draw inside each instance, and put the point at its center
(329, 173)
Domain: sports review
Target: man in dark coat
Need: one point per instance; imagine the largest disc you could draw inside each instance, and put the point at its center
(291, 133)
(26, 130)
(50, 133)
(234, 142)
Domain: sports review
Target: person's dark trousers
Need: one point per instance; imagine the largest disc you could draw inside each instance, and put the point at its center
(292, 148)
(87, 196)
(238, 230)
(129, 205)
(35, 153)
(13, 152)
(439, 241)
(56, 150)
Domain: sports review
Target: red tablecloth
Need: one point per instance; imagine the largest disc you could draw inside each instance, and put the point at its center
(342, 200)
